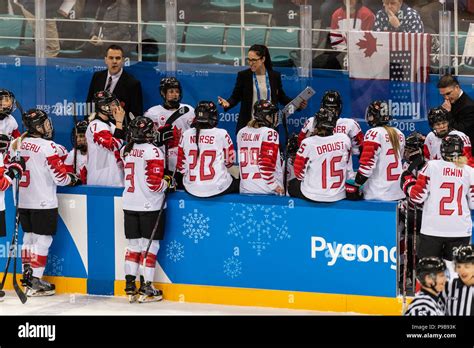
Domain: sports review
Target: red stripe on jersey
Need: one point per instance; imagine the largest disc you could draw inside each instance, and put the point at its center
(69, 168)
(418, 191)
(150, 259)
(426, 152)
(367, 159)
(58, 167)
(83, 175)
(176, 136)
(301, 137)
(38, 261)
(132, 256)
(105, 139)
(180, 160)
(229, 156)
(267, 160)
(154, 174)
(16, 133)
(467, 151)
(4, 182)
(299, 166)
(359, 140)
(25, 256)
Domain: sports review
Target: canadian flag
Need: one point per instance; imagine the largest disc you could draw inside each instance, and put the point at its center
(394, 56)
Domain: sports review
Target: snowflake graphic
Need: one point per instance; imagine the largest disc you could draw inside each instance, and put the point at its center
(55, 265)
(175, 251)
(232, 267)
(259, 224)
(196, 226)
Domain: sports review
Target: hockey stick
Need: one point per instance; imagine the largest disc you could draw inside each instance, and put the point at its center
(414, 247)
(405, 260)
(13, 253)
(285, 154)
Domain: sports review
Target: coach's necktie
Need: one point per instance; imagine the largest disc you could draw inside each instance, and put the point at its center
(109, 84)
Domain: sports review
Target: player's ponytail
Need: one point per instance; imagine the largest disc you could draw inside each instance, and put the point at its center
(253, 123)
(128, 148)
(198, 130)
(460, 161)
(393, 137)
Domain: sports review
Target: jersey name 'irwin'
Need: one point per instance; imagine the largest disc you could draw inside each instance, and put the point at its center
(452, 172)
(329, 147)
(203, 139)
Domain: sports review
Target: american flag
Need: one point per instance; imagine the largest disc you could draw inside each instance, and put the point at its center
(409, 67)
(410, 57)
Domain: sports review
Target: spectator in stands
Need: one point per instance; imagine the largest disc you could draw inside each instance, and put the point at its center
(361, 18)
(397, 16)
(102, 31)
(459, 104)
(258, 82)
(327, 8)
(27, 7)
(115, 80)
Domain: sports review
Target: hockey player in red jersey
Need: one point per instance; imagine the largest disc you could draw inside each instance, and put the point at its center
(8, 124)
(381, 159)
(77, 157)
(321, 162)
(438, 119)
(105, 137)
(332, 100)
(38, 203)
(259, 153)
(143, 197)
(444, 187)
(162, 115)
(204, 155)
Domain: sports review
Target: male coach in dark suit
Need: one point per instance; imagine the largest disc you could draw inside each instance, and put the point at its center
(458, 103)
(116, 80)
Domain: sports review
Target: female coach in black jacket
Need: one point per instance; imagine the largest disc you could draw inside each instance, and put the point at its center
(252, 85)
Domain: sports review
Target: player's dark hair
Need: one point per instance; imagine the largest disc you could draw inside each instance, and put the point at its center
(114, 47)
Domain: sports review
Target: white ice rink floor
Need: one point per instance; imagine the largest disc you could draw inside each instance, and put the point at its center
(79, 304)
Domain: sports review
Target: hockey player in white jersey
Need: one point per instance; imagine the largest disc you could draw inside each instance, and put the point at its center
(76, 159)
(162, 115)
(8, 124)
(438, 119)
(431, 273)
(204, 155)
(321, 162)
(9, 170)
(259, 153)
(381, 159)
(38, 203)
(444, 188)
(332, 100)
(105, 137)
(145, 184)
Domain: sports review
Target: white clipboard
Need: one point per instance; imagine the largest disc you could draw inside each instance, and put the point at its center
(292, 106)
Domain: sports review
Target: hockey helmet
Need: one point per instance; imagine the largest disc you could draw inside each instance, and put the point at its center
(79, 128)
(105, 102)
(7, 103)
(332, 100)
(141, 130)
(5, 141)
(206, 113)
(429, 266)
(452, 147)
(436, 115)
(38, 123)
(463, 254)
(266, 113)
(377, 113)
(167, 83)
(414, 144)
(325, 119)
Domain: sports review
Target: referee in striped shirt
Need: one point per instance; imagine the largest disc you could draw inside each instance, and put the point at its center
(458, 294)
(431, 272)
